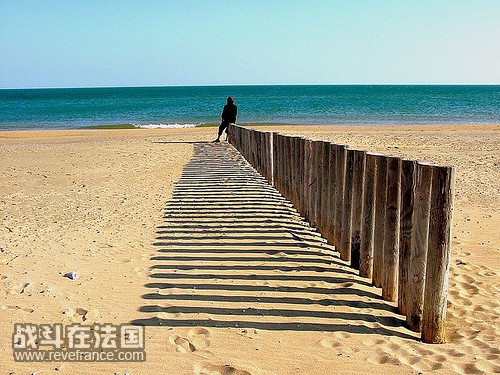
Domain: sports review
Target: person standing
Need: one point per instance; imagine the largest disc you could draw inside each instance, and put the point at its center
(228, 116)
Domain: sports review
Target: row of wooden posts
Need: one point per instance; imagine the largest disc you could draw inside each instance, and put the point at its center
(389, 217)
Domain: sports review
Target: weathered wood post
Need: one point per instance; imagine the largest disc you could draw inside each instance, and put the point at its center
(307, 177)
(347, 210)
(253, 154)
(290, 168)
(368, 232)
(392, 225)
(380, 213)
(358, 183)
(291, 155)
(271, 157)
(296, 170)
(250, 147)
(332, 176)
(317, 185)
(313, 184)
(325, 190)
(255, 150)
(284, 164)
(293, 170)
(339, 194)
(286, 167)
(419, 241)
(267, 150)
(261, 153)
(406, 222)
(281, 149)
(438, 255)
(247, 144)
(276, 161)
(230, 134)
(301, 174)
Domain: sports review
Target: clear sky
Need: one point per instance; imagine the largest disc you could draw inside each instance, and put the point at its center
(72, 43)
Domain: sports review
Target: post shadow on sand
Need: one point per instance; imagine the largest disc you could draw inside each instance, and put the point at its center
(229, 238)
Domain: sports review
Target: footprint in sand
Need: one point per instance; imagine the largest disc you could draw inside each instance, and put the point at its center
(211, 369)
(80, 315)
(11, 307)
(198, 339)
(330, 344)
(181, 344)
(20, 288)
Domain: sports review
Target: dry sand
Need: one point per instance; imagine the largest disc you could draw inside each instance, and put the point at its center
(93, 201)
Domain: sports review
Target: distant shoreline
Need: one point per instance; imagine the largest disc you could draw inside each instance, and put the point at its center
(275, 127)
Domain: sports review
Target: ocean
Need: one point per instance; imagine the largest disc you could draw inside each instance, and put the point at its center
(73, 108)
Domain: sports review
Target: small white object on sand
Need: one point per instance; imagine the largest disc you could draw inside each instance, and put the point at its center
(73, 275)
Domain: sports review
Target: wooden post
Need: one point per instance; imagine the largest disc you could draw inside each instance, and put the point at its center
(284, 164)
(418, 251)
(301, 178)
(313, 183)
(332, 165)
(250, 147)
(438, 256)
(392, 225)
(318, 166)
(300, 164)
(255, 154)
(289, 169)
(246, 144)
(380, 212)
(255, 149)
(307, 177)
(299, 146)
(368, 232)
(406, 220)
(325, 189)
(262, 152)
(267, 152)
(291, 154)
(347, 211)
(276, 161)
(296, 170)
(357, 205)
(292, 157)
(282, 159)
(339, 194)
(271, 157)
(286, 167)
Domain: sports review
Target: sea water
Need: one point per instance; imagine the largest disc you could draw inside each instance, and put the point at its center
(70, 108)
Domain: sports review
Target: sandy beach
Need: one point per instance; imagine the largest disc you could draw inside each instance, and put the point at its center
(93, 201)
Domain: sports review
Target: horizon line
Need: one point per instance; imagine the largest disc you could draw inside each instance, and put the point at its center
(250, 84)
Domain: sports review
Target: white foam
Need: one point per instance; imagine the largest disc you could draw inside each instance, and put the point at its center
(164, 126)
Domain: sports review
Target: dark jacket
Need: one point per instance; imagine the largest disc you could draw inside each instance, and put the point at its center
(229, 113)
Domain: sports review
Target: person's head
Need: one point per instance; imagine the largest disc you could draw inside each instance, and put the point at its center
(230, 100)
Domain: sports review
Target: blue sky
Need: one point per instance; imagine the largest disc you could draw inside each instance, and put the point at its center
(75, 43)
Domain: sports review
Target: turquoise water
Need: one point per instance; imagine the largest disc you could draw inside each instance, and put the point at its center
(167, 106)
